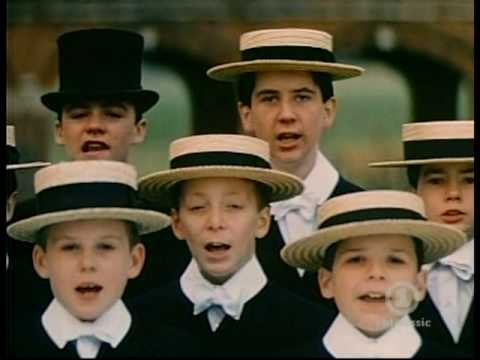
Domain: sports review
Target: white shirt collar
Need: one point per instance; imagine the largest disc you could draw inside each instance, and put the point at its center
(239, 289)
(322, 179)
(462, 257)
(61, 326)
(343, 340)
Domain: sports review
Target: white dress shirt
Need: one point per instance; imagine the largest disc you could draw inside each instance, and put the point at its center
(451, 284)
(343, 340)
(228, 298)
(296, 217)
(62, 327)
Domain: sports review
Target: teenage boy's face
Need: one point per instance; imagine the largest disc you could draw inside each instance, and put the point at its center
(88, 263)
(99, 130)
(287, 111)
(364, 269)
(219, 218)
(448, 193)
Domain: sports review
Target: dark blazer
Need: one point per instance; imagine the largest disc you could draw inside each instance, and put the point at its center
(436, 330)
(161, 341)
(274, 323)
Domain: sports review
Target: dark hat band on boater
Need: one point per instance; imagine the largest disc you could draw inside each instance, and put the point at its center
(303, 53)
(437, 149)
(85, 195)
(13, 156)
(218, 158)
(370, 215)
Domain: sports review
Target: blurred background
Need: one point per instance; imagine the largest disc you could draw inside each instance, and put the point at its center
(418, 57)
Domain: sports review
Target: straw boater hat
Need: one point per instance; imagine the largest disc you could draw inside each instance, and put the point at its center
(435, 142)
(13, 156)
(285, 49)
(373, 212)
(220, 155)
(86, 190)
(103, 63)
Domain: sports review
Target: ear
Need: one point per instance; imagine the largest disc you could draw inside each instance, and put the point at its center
(59, 133)
(140, 131)
(137, 255)
(263, 222)
(330, 108)
(421, 284)
(177, 225)
(40, 262)
(11, 202)
(245, 113)
(325, 280)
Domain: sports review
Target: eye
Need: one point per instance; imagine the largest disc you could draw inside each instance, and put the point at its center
(268, 98)
(234, 206)
(469, 179)
(77, 114)
(435, 180)
(195, 208)
(114, 113)
(69, 247)
(357, 259)
(302, 97)
(396, 260)
(106, 246)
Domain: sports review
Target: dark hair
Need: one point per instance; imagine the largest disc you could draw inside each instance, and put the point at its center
(413, 175)
(331, 251)
(246, 83)
(133, 235)
(12, 184)
(262, 193)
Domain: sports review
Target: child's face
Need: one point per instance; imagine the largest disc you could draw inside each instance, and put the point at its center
(364, 269)
(448, 193)
(219, 218)
(88, 263)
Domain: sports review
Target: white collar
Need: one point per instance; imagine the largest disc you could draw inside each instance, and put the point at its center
(321, 180)
(239, 289)
(343, 340)
(463, 257)
(61, 326)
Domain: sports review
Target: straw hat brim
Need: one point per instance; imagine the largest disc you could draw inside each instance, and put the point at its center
(402, 163)
(230, 71)
(147, 220)
(155, 186)
(27, 165)
(439, 240)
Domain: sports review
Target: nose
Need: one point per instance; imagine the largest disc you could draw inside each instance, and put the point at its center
(215, 219)
(95, 123)
(286, 112)
(376, 270)
(453, 191)
(87, 260)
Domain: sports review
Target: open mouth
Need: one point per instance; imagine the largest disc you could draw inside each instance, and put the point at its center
(373, 297)
(288, 136)
(213, 247)
(89, 289)
(89, 146)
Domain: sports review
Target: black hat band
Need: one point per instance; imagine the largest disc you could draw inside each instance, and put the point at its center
(13, 156)
(371, 214)
(85, 195)
(437, 149)
(303, 53)
(218, 158)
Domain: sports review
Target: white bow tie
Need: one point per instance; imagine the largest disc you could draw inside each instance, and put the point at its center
(89, 330)
(217, 296)
(462, 270)
(304, 204)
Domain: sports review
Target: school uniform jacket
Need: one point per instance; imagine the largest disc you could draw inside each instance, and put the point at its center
(274, 323)
(438, 331)
(162, 341)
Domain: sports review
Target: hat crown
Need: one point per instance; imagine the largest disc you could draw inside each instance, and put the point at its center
(220, 143)
(436, 130)
(373, 199)
(88, 171)
(286, 37)
(11, 135)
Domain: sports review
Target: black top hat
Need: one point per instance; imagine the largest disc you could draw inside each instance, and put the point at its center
(100, 63)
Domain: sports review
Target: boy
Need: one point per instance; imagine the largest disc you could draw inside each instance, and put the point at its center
(440, 169)
(284, 86)
(220, 187)
(370, 247)
(87, 244)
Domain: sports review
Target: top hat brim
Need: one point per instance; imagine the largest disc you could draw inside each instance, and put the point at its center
(231, 71)
(142, 99)
(439, 240)
(155, 187)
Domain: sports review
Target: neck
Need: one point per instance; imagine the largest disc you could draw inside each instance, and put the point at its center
(300, 168)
